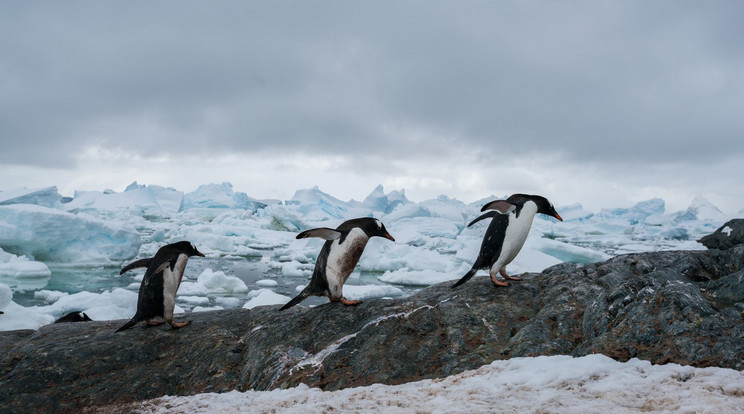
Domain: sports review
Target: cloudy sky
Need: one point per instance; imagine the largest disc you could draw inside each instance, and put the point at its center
(604, 103)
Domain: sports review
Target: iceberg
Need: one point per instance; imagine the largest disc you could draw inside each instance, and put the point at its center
(377, 200)
(705, 210)
(220, 196)
(46, 196)
(50, 235)
(136, 198)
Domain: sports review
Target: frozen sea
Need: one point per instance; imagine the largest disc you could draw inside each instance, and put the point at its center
(63, 254)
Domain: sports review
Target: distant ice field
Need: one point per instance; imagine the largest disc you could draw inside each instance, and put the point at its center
(59, 255)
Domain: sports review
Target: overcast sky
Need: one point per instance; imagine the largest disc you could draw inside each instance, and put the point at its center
(603, 103)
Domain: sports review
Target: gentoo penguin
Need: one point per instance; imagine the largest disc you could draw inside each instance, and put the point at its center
(74, 317)
(506, 234)
(157, 293)
(338, 257)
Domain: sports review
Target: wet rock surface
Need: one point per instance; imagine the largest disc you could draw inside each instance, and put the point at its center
(682, 307)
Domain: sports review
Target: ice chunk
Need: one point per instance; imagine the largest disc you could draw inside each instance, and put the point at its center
(109, 305)
(140, 199)
(220, 196)
(46, 196)
(637, 213)
(705, 210)
(318, 205)
(575, 212)
(21, 267)
(51, 235)
(267, 283)
(219, 282)
(6, 295)
(361, 292)
(377, 200)
(16, 317)
(262, 297)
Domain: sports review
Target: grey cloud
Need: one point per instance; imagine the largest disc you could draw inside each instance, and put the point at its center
(632, 80)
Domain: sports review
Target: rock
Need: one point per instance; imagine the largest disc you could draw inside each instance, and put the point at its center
(725, 237)
(680, 307)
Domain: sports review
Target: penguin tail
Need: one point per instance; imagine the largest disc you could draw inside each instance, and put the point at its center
(129, 324)
(297, 299)
(465, 278)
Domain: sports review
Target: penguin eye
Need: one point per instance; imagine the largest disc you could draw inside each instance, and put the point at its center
(379, 224)
(192, 246)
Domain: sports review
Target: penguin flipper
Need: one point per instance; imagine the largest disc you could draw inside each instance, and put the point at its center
(465, 278)
(138, 263)
(129, 324)
(487, 214)
(322, 232)
(502, 206)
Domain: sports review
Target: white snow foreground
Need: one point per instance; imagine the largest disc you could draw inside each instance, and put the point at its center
(557, 384)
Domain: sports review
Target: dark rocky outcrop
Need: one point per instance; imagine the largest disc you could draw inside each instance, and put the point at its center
(725, 237)
(680, 306)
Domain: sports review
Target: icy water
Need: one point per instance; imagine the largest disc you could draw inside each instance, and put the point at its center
(99, 279)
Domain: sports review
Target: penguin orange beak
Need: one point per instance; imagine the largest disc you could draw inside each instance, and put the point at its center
(198, 253)
(389, 237)
(558, 217)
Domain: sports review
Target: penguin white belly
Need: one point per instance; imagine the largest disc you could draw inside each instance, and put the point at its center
(171, 282)
(342, 258)
(515, 235)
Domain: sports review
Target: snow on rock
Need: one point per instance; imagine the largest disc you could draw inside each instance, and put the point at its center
(220, 196)
(21, 267)
(46, 196)
(593, 383)
(263, 297)
(47, 234)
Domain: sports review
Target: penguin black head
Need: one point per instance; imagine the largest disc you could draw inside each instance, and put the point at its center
(186, 248)
(543, 205)
(371, 227)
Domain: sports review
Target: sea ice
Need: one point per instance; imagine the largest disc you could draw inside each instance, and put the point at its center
(220, 196)
(50, 235)
(136, 199)
(47, 196)
(21, 267)
(263, 297)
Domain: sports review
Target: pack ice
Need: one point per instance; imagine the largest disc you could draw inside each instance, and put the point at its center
(41, 230)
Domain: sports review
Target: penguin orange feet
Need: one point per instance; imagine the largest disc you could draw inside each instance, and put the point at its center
(154, 323)
(503, 273)
(348, 302)
(178, 324)
(496, 281)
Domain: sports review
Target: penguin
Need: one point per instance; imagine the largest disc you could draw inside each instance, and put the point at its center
(338, 257)
(74, 317)
(157, 293)
(505, 236)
